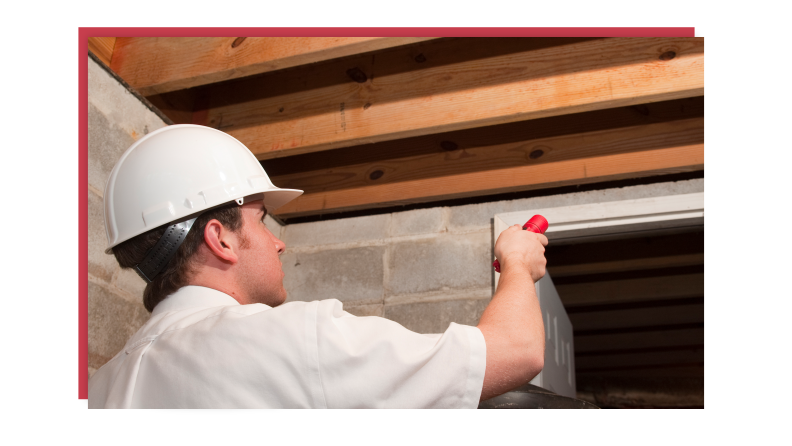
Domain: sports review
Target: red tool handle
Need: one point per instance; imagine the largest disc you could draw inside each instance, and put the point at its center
(537, 224)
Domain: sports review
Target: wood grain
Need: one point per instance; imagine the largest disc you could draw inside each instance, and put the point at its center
(489, 136)
(102, 47)
(529, 152)
(685, 158)
(155, 65)
(461, 85)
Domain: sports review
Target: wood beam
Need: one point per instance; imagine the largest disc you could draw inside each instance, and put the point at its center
(685, 158)
(516, 166)
(497, 135)
(632, 290)
(155, 65)
(460, 84)
(102, 47)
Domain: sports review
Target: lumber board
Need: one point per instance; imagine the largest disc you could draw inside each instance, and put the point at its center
(528, 152)
(637, 318)
(648, 339)
(459, 85)
(687, 158)
(626, 265)
(496, 135)
(155, 65)
(102, 47)
(632, 290)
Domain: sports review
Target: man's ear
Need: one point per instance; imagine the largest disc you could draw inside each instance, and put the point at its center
(221, 242)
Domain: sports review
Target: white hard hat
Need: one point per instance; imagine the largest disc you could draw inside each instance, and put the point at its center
(180, 171)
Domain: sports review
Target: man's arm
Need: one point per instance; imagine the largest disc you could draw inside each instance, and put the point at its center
(512, 322)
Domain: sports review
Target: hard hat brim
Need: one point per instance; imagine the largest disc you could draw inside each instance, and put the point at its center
(273, 199)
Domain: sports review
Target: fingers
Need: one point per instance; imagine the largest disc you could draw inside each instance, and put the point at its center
(543, 239)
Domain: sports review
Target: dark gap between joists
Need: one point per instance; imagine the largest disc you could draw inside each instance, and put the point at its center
(639, 367)
(603, 331)
(635, 305)
(629, 351)
(639, 247)
(622, 275)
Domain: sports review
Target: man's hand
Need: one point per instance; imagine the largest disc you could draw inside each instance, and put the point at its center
(516, 247)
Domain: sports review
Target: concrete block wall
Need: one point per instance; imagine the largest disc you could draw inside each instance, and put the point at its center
(116, 119)
(423, 268)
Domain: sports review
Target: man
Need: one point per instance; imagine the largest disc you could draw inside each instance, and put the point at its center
(185, 207)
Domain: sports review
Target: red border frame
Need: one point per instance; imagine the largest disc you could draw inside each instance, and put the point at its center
(84, 33)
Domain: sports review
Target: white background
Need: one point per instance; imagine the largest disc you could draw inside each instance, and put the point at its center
(747, 248)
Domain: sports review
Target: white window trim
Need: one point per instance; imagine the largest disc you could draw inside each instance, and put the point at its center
(610, 218)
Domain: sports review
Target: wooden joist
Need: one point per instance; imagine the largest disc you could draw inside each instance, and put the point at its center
(102, 47)
(448, 85)
(686, 158)
(675, 146)
(632, 290)
(162, 64)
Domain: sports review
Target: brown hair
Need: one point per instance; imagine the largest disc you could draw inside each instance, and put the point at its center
(179, 270)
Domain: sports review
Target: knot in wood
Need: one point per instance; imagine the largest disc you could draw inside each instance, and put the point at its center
(238, 41)
(668, 55)
(448, 146)
(420, 58)
(376, 175)
(357, 75)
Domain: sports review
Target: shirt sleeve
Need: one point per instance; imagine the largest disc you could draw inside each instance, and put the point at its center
(372, 362)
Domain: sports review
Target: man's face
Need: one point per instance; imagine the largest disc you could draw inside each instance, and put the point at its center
(260, 269)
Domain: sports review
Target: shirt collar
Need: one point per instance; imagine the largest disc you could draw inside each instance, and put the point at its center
(192, 296)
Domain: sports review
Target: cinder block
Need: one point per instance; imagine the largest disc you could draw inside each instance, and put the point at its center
(349, 275)
(480, 215)
(111, 322)
(100, 265)
(128, 280)
(106, 143)
(435, 317)
(447, 261)
(119, 105)
(419, 221)
(365, 310)
(345, 230)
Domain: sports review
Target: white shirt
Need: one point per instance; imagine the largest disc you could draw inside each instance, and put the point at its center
(201, 349)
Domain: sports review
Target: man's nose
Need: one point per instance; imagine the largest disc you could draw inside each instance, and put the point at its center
(279, 245)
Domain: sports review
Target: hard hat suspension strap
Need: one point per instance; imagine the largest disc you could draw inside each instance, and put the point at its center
(158, 257)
